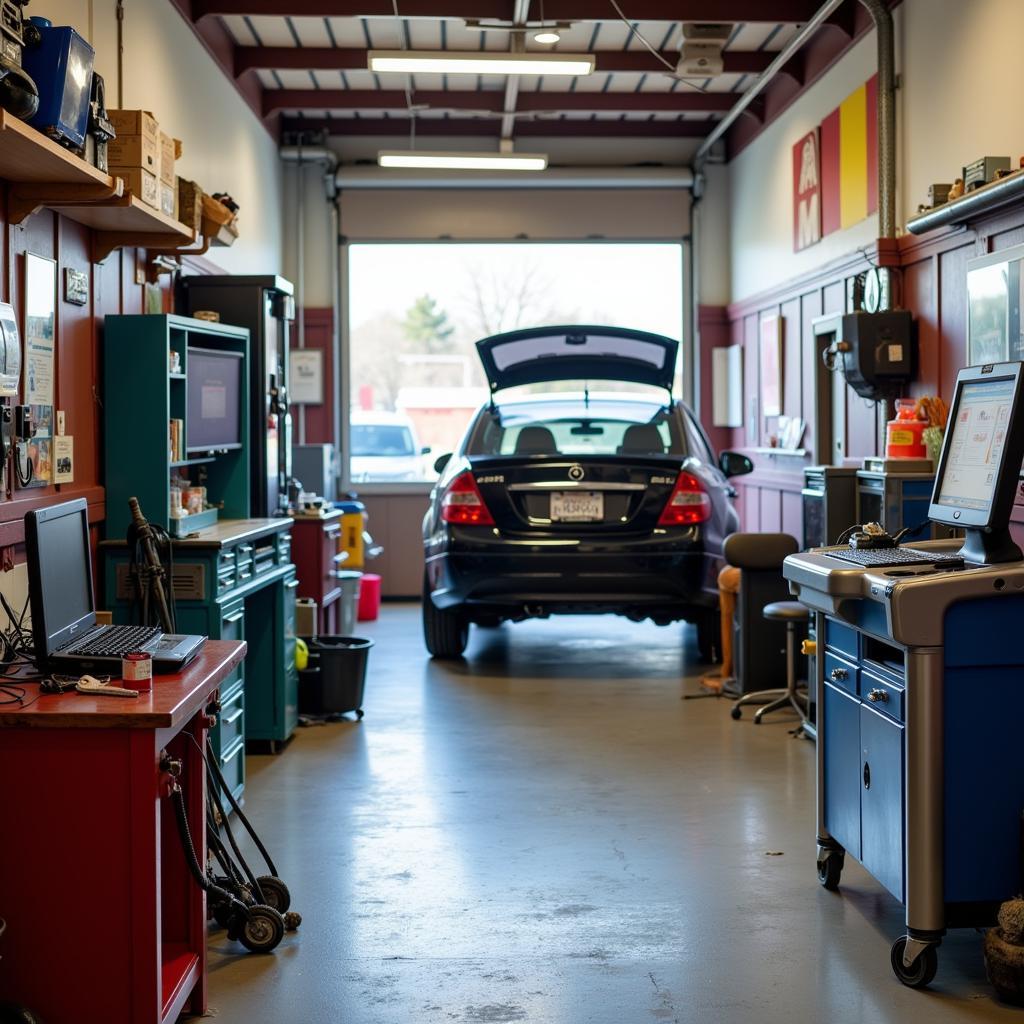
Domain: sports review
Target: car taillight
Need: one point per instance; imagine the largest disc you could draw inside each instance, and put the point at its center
(688, 505)
(463, 504)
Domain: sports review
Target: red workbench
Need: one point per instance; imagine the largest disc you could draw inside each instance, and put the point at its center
(104, 922)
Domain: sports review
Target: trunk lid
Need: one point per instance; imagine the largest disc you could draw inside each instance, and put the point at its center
(545, 354)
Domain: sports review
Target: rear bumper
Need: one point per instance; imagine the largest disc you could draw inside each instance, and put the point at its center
(662, 584)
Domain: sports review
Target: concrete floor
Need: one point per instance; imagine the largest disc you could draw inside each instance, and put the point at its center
(548, 833)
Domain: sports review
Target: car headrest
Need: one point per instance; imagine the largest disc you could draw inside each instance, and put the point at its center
(642, 439)
(759, 550)
(536, 441)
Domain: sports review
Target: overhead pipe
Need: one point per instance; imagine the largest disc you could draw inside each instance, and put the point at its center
(373, 177)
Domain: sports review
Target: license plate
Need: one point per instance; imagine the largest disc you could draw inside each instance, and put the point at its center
(577, 506)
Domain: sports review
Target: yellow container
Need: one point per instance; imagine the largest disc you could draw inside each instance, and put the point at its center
(353, 525)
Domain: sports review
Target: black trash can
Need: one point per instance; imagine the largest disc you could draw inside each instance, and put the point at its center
(335, 678)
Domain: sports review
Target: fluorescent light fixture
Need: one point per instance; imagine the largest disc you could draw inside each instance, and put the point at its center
(547, 37)
(456, 62)
(448, 161)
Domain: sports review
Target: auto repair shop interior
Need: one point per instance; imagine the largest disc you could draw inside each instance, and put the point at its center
(509, 511)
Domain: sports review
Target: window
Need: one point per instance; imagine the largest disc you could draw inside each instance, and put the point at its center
(416, 309)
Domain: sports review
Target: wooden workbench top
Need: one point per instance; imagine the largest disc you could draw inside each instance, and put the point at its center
(173, 700)
(222, 533)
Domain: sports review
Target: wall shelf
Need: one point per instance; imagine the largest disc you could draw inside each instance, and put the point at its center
(984, 200)
(43, 174)
(193, 462)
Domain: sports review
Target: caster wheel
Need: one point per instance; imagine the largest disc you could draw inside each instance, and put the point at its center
(829, 871)
(737, 713)
(359, 714)
(275, 893)
(292, 920)
(263, 931)
(921, 973)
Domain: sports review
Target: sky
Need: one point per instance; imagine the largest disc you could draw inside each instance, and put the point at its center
(636, 285)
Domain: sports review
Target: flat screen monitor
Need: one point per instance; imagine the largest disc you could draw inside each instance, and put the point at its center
(213, 420)
(979, 468)
(60, 574)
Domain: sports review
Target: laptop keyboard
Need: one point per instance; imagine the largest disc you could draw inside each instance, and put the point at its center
(880, 557)
(113, 641)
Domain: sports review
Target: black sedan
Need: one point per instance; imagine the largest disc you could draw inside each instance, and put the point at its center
(573, 502)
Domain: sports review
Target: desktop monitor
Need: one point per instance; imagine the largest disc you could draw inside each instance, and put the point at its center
(59, 574)
(979, 468)
(214, 416)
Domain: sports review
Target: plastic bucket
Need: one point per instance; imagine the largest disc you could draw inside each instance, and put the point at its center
(349, 580)
(369, 597)
(335, 680)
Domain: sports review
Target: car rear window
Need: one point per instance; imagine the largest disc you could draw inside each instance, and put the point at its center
(533, 431)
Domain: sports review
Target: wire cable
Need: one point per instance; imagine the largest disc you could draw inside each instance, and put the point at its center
(653, 49)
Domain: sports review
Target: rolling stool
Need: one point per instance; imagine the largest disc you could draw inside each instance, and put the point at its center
(792, 613)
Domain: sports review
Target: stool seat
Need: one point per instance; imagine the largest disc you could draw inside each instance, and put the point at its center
(787, 611)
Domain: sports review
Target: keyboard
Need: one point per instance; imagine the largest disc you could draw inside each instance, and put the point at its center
(113, 641)
(876, 558)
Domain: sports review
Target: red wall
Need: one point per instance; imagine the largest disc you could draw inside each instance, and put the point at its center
(931, 281)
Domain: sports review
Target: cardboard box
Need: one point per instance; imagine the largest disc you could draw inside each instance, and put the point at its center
(130, 151)
(169, 199)
(169, 150)
(135, 122)
(142, 184)
(190, 204)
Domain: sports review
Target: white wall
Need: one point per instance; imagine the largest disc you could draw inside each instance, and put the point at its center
(761, 186)
(961, 96)
(167, 71)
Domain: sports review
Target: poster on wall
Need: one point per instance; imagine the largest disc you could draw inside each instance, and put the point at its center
(806, 191)
(40, 328)
(771, 365)
(306, 376)
(727, 386)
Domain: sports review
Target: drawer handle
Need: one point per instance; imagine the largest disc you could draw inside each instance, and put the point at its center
(878, 696)
(838, 675)
(235, 717)
(342, 557)
(235, 616)
(867, 775)
(245, 548)
(332, 534)
(245, 575)
(291, 584)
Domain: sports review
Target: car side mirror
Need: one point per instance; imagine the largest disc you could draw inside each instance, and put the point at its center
(441, 462)
(735, 464)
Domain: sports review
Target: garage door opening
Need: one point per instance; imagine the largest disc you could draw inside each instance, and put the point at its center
(415, 311)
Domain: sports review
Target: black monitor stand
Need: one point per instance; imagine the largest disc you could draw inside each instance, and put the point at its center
(990, 547)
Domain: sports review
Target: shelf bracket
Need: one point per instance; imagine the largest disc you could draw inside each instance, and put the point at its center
(25, 200)
(105, 242)
(153, 270)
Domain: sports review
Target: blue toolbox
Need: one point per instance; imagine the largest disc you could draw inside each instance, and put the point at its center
(918, 673)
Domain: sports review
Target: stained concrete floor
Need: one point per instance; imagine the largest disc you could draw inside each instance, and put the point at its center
(546, 832)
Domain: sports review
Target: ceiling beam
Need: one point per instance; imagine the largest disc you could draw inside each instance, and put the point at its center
(332, 58)
(491, 128)
(789, 11)
(491, 101)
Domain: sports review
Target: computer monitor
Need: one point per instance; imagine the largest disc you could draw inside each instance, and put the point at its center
(979, 468)
(214, 419)
(59, 575)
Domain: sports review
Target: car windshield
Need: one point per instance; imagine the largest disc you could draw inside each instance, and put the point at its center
(386, 439)
(578, 428)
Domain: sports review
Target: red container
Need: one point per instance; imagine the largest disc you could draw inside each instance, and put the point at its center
(903, 434)
(369, 597)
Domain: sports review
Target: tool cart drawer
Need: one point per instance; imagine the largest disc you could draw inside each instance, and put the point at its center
(840, 673)
(232, 719)
(841, 637)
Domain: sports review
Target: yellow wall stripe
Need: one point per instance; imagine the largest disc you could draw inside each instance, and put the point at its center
(853, 158)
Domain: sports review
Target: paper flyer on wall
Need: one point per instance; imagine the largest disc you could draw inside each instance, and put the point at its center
(39, 369)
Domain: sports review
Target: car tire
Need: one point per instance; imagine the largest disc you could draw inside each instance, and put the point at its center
(445, 631)
(709, 636)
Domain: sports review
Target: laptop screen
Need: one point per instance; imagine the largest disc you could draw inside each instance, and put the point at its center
(60, 574)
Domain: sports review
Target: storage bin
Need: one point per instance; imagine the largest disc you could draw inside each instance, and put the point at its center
(369, 597)
(349, 580)
(335, 681)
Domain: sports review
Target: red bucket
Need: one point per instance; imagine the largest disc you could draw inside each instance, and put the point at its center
(369, 597)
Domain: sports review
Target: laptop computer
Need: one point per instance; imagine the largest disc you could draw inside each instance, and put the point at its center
(64, 630)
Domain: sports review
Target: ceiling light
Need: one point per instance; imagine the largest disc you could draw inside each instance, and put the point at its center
(547, 36)
(454, 62)
(462, 161)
